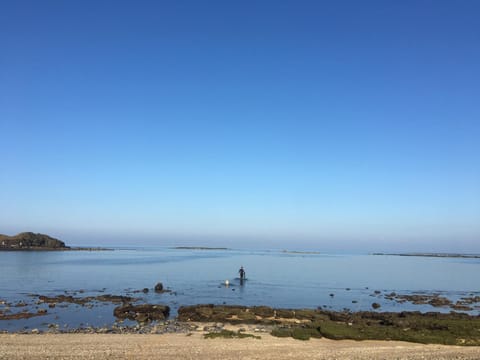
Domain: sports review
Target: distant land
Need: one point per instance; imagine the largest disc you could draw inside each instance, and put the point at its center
(199, 248)
(29, 241)
(440, 255)
(301, 252)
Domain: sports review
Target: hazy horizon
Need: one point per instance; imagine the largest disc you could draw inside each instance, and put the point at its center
(346, 126)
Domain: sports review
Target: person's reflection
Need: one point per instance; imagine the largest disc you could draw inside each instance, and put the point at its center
(241, 288)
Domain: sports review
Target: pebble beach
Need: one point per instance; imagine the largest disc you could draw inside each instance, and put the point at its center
(195, 346)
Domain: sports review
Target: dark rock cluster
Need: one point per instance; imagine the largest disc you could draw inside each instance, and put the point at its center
(142, 313)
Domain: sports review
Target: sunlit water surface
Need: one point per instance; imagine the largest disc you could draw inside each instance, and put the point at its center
(274, 278)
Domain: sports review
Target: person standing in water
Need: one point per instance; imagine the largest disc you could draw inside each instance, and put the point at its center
(242, 273)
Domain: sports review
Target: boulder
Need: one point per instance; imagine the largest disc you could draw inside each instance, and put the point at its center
(142, 313)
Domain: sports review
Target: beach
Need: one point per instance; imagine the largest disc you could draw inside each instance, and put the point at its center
(194, 346)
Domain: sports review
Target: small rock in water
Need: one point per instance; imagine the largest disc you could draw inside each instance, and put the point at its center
(145, 290)
(376, 305)
(159, 287)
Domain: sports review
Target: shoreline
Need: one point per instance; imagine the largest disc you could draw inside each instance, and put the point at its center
(42, 249)
(432, 255)
(301, 324)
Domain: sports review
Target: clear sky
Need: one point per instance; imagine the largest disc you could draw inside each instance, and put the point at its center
(339, 125)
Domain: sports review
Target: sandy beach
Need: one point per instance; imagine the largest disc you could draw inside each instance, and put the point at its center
(194, 346)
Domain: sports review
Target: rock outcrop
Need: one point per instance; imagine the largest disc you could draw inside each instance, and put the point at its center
(142, 313)
(30, 241)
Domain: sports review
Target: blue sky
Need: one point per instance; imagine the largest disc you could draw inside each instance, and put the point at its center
(341, 125)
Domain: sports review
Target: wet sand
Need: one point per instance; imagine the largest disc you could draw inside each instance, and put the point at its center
(194, 346)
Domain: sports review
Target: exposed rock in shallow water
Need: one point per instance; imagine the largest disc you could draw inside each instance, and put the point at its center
(436, 300)
(115, 299)
(461, 307)
(142, 313)
(470, 300)
(21, 315)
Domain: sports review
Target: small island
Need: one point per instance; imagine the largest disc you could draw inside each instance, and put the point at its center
(29, 241)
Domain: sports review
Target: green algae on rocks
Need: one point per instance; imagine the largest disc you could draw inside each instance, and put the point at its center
(229, 334)
(434, 328)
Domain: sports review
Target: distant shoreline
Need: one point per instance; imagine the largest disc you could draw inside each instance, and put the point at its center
(199, 248)
(439, 255)
(55, 249)
(301, 252)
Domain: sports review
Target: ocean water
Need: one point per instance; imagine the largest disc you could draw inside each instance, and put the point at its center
(274, 278)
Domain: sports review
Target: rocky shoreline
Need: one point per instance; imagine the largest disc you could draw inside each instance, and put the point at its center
(302, 324)
(145, 311)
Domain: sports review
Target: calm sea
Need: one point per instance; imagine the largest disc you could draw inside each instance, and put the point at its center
(274, 278)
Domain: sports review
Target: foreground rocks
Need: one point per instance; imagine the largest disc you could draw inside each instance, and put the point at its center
(302, 324)
(159, 327)
(450, 329)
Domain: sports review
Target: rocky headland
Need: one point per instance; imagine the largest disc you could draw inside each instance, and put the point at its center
(30, 241)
